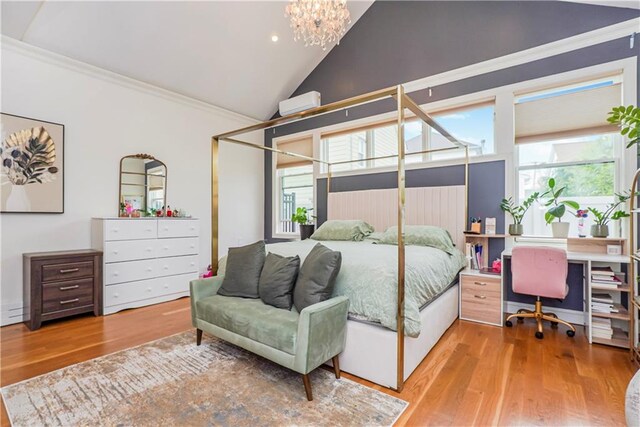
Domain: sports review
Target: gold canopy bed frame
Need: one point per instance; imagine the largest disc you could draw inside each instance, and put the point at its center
(403, 102)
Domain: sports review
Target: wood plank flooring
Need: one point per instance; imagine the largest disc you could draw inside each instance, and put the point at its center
(475, 375)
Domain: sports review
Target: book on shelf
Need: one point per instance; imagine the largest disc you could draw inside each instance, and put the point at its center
(603, 278)
(602, 334)
(474, 255)
(602, 297)
(604, 271)
(607, 285)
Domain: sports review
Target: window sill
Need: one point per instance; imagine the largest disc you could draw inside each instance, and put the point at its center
(289, 236)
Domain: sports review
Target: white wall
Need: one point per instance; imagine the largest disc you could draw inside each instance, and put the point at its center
(107, 116)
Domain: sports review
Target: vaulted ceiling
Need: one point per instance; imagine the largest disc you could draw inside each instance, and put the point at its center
(218, 52)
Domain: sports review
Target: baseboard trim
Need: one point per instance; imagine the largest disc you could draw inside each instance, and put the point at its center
(11, 314)
(572, 316)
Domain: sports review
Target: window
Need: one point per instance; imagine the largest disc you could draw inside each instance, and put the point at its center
(563, 133)
(294, 183)
(472, 124)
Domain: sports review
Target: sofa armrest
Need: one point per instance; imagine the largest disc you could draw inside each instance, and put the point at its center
(202, 288)
(322, 329)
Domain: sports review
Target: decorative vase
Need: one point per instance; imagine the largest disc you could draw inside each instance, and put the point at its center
(560, 229)
(581, 228)
(306, 231)
(600, 230)
(18, 200)
(515, 229)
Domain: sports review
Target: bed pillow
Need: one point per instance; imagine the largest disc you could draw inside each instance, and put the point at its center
(242, 271)
(277, 280)
(317, 277)
(421, 235)
(354, 230)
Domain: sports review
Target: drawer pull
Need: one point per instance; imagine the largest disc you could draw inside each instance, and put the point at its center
(115, 252)
(149, 229)
(166, 248)
(148, 289)
(69, 301)
(149, 269)
(69, 270)
(480, 296)
(149, 249)
(480, 283)
(66, 288)
(166, 267)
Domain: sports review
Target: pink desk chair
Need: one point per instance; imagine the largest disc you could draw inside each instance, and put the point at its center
(541, 272)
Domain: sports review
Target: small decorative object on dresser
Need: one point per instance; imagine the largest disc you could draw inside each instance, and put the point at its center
(61, 284)
(32, 156)
(146, 260)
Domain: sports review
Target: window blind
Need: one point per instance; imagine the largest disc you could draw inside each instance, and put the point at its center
(303, 146)
(566, 115)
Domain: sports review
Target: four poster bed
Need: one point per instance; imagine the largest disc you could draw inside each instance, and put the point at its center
(415, 287)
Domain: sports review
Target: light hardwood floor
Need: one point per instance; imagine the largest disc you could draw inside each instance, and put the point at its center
(475, 375)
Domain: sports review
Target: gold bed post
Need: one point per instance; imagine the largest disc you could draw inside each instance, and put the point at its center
(214, 205)
(401, 199)
(466, 186)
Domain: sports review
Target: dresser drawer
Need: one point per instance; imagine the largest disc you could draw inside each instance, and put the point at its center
(177, 247)
(128, 292)
(67, 271)
(178, 228)
(177, 265)
(66, 295)
(127, 229)
(120, 272)
(174, 284)
(481, 299)
(129, 250)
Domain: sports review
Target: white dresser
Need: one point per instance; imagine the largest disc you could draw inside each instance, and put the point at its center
(146, 260)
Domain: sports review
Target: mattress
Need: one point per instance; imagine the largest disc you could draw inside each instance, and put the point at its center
(369, 277)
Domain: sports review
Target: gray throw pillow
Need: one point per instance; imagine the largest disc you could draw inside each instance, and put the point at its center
(277, 280)
(242, 274)
(317, 277)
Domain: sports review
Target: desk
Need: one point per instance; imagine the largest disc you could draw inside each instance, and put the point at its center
(620, 320)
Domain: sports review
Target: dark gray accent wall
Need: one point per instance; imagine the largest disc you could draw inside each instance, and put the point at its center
(398, 41)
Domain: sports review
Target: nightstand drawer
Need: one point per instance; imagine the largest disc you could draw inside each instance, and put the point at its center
(481, 299)
(67, 271)
(65, 295)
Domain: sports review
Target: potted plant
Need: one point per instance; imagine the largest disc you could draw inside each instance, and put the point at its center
(302, 218)
(556, 209)
(517, 212)
(628, 119)
(611, 213)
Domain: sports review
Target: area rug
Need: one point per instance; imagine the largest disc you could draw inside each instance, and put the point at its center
(174, 382)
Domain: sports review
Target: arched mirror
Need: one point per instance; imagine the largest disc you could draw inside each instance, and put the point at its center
(143, 186)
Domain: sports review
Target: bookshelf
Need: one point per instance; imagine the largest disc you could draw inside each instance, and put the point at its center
(634, 258)
(483, 239)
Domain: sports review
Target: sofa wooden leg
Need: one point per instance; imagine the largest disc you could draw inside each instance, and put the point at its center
(307, 386)
(336, 366)
(198, 336)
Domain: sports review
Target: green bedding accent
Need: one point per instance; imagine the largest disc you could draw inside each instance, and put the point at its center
(369, 277)
(421, 235)
(352, 230)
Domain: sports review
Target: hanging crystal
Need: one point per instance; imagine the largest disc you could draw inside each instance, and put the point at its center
(318, 22)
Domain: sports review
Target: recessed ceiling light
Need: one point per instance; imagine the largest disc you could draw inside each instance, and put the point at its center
(274, 38)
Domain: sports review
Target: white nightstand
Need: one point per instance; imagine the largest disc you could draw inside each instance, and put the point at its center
(480, 297)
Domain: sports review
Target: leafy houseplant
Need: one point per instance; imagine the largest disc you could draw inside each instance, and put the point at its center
(556, 209)
(302, 218)
(611, 213)
(517, 212)
(628, 118)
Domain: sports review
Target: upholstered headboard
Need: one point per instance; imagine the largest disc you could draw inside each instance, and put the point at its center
(440, 206)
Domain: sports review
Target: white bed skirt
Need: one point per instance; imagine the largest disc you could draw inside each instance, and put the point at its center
(371, 350)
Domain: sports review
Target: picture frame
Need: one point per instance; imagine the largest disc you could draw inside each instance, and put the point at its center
(32, 165)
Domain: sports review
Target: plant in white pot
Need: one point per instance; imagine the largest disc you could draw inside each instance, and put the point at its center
(556, 209)
(517, 212)
(611, 213)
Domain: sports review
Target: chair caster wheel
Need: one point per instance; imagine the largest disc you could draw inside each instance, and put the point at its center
(520, 319)
(508, 324)
(570, 333)
(539, 335)
(554, 325)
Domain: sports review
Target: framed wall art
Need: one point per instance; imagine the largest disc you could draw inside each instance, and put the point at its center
(32, 174)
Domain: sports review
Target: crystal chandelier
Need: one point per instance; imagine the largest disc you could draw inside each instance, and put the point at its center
(318, 22)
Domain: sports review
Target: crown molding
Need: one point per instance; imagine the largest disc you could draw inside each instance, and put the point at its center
(601, 35)
(56, 59)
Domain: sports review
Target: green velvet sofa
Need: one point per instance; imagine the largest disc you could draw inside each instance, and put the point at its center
(298, 341)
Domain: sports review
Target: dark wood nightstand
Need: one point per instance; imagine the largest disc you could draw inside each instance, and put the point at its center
(62, 283)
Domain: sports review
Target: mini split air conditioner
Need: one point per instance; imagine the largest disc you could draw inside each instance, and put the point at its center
(299, 103)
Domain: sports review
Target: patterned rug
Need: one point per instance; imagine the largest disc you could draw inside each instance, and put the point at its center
(174, 382)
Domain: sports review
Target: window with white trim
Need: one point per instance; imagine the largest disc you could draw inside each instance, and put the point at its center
(294, 183)
(473, 124)
(562, 133)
